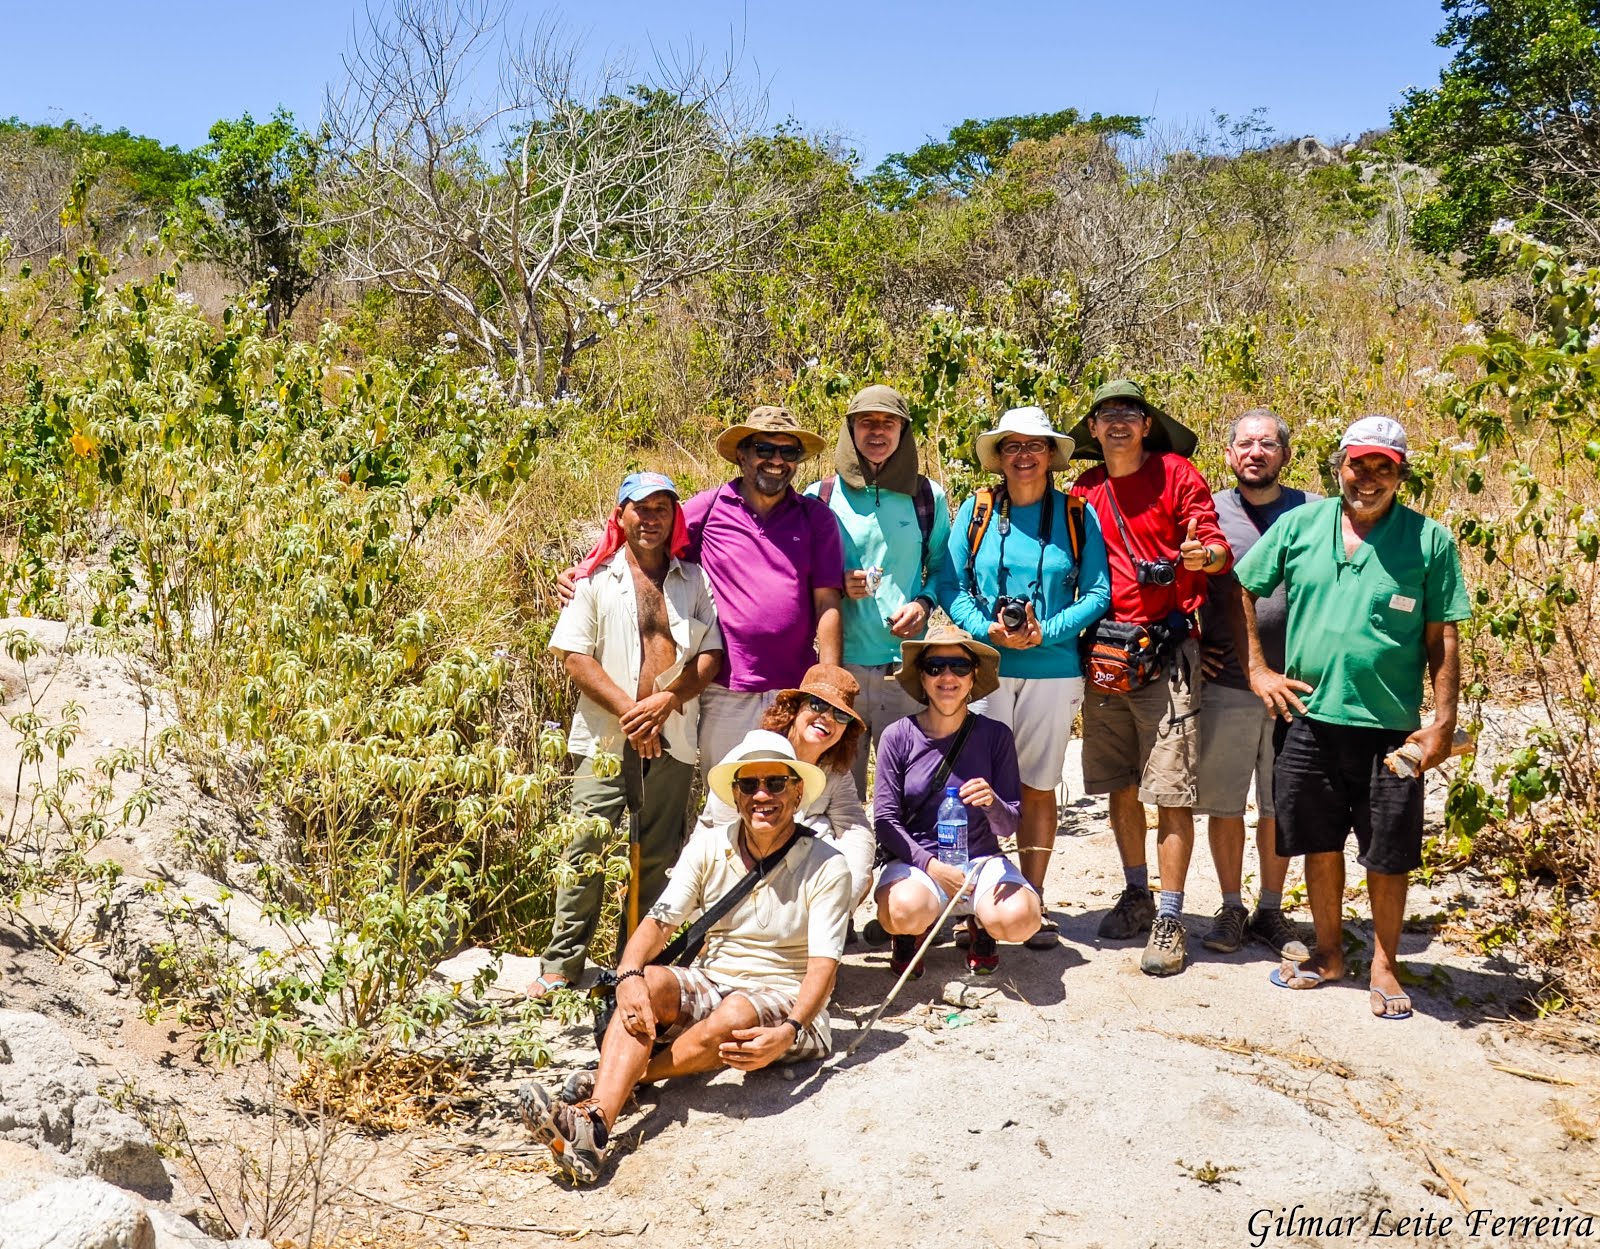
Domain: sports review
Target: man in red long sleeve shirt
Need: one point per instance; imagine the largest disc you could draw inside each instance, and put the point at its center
(1162, 540)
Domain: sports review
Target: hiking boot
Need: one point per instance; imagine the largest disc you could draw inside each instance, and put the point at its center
(1134, 912)
(576, 1135)
(983, 954)
(1227, 930)
(1165, 952)
(905, 950)
(1274, 928)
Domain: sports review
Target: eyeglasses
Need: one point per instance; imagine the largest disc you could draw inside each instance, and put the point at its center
(1269, 445)
(961, 667)
(749, 786)
(822, 707)
(1036, 446)
(788, 452)
(1117, 416)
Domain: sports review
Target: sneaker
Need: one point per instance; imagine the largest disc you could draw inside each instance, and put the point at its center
(983, 954)
(1134, 912)
(905, 950)
(1275, 929)
(1227, 930)
(1165, 952)
(575, 1135)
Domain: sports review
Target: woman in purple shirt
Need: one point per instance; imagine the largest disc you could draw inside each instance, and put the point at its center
(945, 671)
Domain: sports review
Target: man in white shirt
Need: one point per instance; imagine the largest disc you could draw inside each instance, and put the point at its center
(758, 991)
(640, 641)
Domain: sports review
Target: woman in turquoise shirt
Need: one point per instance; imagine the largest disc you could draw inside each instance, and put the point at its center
(1023, 591)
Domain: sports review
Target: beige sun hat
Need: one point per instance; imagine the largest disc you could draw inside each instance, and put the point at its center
(1023, 423)
(765, 746)
(985, 678)
(767, 420)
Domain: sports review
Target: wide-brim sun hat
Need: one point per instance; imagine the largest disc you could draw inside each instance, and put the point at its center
(1165, 433)
(1025, 423)
(767, 420)
(834, 685)
(985, 677)
(765, 746)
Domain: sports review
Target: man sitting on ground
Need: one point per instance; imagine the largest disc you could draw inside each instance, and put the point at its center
(758, 993)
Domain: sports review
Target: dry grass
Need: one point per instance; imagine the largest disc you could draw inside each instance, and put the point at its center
(386, 1092)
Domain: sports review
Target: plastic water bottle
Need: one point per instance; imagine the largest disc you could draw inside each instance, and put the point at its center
(953, 829)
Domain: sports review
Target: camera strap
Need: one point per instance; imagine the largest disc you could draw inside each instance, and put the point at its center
(1046, 525)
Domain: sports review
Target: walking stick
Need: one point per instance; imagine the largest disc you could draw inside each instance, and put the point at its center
(899, 984)
(633, 795)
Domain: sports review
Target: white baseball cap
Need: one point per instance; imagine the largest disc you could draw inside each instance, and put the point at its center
(1375, 435)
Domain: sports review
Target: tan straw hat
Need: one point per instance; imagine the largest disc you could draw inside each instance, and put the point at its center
(1027, 424)
(833, 685)
(766, 420)
(765, 746)
(985, 679)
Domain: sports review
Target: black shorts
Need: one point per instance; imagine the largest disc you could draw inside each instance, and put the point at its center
(1329, 779)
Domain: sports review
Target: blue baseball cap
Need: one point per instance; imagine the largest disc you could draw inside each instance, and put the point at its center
(636, 486)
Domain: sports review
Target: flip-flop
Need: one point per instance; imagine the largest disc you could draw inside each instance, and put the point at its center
(1380, 1004)
(1048, 937)
(546, 983)
(1298, 973)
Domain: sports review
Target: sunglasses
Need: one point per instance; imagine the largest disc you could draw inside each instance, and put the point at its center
(946, 663)
(822, 707)
(749, 786)
(788, 452)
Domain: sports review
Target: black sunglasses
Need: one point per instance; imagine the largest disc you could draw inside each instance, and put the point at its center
(822, 707)
(749, 786)
(946, 663)
(788, 452)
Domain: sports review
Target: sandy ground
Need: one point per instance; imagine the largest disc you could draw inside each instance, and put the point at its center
(1089, 1105)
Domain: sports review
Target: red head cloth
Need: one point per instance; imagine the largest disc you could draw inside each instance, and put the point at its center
(613, 540)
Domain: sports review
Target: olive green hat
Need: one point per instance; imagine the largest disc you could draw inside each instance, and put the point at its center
(1165, 433)
(879, 398)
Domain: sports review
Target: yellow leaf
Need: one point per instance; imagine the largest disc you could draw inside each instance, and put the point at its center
(82, 444)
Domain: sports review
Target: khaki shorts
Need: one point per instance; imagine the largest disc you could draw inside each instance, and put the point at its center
(1235, 746)
(699, 994)
(1149, 738)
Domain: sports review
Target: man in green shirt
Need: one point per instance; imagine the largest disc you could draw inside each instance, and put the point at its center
(1374, 594)
(894, 527)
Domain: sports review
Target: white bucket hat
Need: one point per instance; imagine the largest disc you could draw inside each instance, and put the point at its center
(1023, 423)
(763, 745)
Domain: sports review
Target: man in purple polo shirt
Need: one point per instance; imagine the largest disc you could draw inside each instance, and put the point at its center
(776, 567)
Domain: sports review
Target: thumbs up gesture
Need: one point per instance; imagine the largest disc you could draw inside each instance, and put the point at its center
(1195, 554)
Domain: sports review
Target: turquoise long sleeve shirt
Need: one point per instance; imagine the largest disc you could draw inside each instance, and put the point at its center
(879, 529)
(1067, 598)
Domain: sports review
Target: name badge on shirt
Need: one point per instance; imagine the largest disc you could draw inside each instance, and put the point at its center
(1401, 603)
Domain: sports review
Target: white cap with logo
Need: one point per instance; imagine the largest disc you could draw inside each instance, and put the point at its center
(1375, 435)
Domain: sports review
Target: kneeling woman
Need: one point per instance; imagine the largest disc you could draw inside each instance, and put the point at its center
(946, 671)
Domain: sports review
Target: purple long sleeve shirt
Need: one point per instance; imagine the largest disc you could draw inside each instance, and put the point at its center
(904, 809)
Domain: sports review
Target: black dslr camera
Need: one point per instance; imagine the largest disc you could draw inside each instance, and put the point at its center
(1155, 571)
(1011, 611)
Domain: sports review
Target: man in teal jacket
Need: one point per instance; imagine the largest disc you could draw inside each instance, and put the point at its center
(895, 530)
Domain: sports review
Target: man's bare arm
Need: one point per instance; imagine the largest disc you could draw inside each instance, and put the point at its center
(1274, 689)
(1443, 643)
(830, 626)
(591, 679)
(754, 1048)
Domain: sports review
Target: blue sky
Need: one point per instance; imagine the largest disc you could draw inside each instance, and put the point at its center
(885, 76)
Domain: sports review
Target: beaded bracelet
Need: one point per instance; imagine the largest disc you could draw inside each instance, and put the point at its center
(623, 975)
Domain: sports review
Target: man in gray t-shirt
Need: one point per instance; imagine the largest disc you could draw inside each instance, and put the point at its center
(1235, 729)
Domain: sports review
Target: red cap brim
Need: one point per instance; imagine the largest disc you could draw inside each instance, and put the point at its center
(1358, 449)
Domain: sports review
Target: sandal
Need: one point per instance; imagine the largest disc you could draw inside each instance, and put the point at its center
(983, 954)
(904, 955)
(1049, 935)
(546, 983)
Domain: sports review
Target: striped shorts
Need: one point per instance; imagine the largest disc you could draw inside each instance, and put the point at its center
(699, 995)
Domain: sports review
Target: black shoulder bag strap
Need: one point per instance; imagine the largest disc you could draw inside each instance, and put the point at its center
(685, 947)
(948, 763)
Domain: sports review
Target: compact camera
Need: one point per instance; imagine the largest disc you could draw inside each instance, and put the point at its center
(1155, 571)
(1011, 612)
